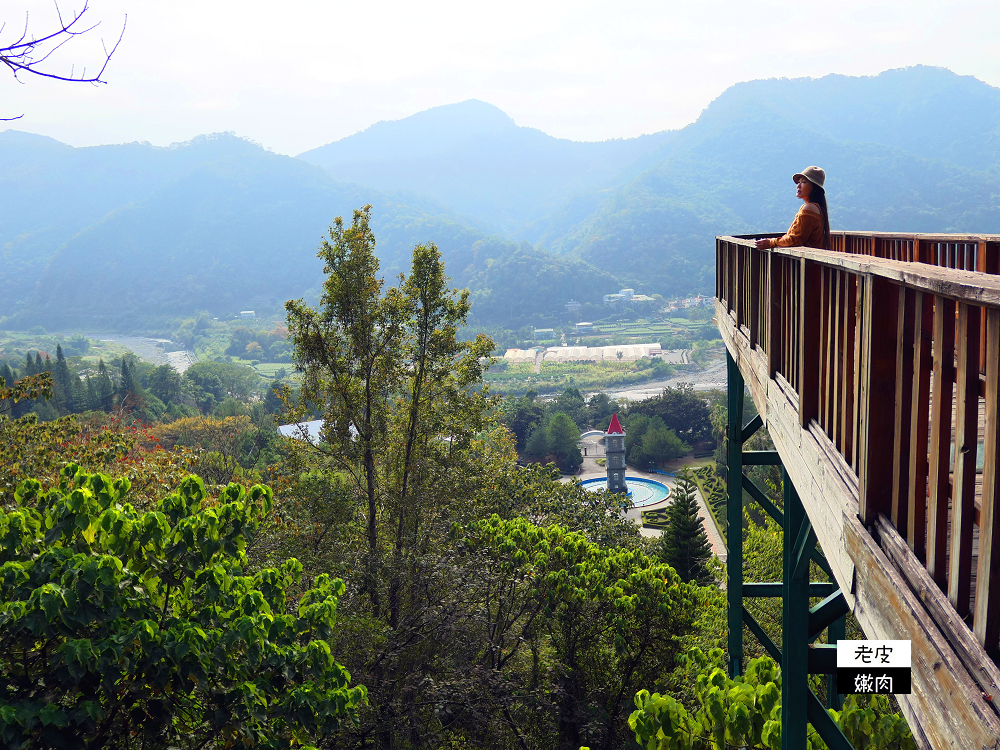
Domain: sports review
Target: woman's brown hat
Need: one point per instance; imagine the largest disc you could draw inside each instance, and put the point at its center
(815, 175)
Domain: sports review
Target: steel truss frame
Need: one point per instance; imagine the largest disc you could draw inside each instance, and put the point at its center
(800, 625)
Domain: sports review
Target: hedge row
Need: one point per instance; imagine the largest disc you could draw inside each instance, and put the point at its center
(714, 490)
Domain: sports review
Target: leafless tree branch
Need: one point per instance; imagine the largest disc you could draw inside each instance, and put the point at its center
(28, 53)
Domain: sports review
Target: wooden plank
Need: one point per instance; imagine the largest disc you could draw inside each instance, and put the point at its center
(968, 286)
(826, 347)
(940, 444)
(808, 319)
(963, 499)
(916, 501)
(774, 314)
(978, 664)
(849, 384)
(987, 617)
(839, 319)
(875, 398)
(904, 410)
(826, 484)
(945, 702)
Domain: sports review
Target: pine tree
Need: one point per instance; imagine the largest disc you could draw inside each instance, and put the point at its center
(65, 392)
(92, 401)
(104, 389)
(29, 366)
(684, 546)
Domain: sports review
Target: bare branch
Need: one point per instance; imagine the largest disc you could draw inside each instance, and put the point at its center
(28, 54)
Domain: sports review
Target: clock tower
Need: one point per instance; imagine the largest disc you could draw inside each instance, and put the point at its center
(614, 449)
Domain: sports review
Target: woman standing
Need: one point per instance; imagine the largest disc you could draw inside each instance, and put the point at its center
(811, 227)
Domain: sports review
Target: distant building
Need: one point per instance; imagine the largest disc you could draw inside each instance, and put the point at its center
(584, 327)
(545, 333)
(305, 431)
(624, 295)
(572, 306)
(249, 314)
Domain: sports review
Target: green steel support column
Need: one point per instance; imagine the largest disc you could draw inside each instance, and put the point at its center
(837, 631)
(734, 517)
(797, 544)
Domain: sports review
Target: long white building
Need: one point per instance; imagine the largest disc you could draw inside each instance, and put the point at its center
(629, 353)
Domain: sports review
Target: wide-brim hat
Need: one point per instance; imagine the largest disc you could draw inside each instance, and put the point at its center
(815, 175)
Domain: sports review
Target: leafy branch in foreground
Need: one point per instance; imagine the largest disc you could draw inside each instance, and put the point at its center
(26, 389)
(118, 626)
(746, 713)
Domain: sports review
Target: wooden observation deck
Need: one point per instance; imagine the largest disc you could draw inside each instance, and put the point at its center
(876, 369)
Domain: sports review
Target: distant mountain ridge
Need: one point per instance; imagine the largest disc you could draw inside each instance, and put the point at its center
(131, 235)
(474, 158)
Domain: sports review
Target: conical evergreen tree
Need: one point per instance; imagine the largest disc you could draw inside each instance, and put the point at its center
(104, 388)
(29, 365)
(129, 385)
(7, 374)
(90, 395)
(63, 381)
(684, 546)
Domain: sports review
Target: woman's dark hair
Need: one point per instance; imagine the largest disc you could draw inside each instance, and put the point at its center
(818, 196)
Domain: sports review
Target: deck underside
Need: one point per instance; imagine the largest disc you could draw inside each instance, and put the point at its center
(887, 588)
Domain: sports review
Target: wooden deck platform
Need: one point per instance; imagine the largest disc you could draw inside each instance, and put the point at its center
(869, 364)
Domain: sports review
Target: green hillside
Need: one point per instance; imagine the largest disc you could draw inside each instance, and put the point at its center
(128, 237)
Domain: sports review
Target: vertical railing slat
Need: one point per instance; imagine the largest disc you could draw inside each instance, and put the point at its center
(963, 498)
(809, 304)
(904, 410)
(940, 448)
(986, 623)
(875, 399)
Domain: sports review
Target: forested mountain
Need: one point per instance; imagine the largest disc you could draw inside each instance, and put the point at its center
(474, 158)
(125, 237)
(129, 236)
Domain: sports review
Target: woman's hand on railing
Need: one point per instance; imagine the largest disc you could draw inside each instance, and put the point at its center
(763, 244)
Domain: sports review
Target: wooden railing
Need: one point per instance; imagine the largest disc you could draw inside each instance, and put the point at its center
(964, 252)
(891, 345)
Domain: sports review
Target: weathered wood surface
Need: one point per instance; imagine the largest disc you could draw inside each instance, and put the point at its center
(984, 673)
(825, 483)
(945, 702)
(866, 372)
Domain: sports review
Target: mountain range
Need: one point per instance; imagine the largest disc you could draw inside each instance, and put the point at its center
(129, 236)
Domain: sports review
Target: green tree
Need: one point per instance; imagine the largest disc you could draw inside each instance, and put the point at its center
(120, 626)
(682, 409)
(165, 383)
(564, 439)
(590, 622)
(659, 443)
(745, 713)
(684, 546)
(537, 444)
(571, 403)
(65, 390)
(104, 389)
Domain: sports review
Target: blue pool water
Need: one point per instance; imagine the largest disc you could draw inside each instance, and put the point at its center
(641, 492)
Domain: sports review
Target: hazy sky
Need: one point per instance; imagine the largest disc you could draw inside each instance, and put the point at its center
(296, 74)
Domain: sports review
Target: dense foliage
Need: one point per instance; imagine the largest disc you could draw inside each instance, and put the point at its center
(684, 546)
(745, 713)
(119, 626)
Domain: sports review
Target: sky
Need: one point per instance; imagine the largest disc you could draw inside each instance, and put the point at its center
(297, 74)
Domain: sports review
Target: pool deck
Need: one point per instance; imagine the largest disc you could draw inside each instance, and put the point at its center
(590, 470)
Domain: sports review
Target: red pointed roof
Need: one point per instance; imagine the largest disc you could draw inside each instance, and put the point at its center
(615, 428)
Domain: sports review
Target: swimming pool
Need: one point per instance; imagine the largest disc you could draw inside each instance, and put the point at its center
(642, 492)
